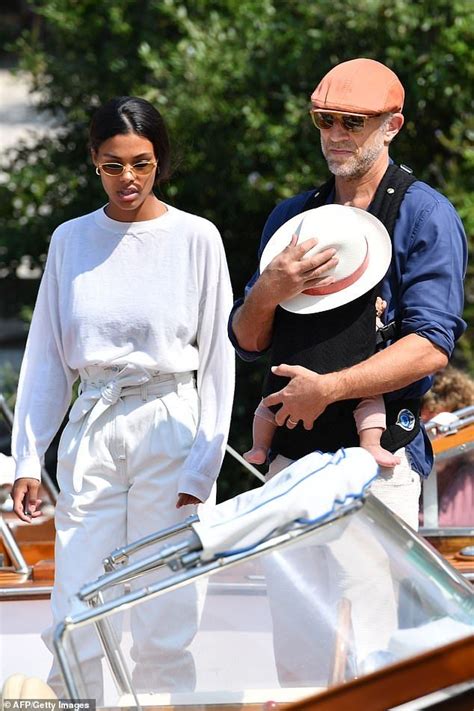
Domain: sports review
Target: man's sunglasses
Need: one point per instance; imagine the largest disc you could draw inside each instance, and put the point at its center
(142, 167)
(355, 123)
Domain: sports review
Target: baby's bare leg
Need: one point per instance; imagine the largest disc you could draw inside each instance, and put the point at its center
(263, 430)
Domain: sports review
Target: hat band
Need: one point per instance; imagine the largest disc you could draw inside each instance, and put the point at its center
(343, 283)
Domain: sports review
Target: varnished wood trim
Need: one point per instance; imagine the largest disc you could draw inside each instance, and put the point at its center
(449, 441)
(402, 682)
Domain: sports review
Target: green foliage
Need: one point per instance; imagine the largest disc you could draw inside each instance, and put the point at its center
(8, 383)
(233, 79)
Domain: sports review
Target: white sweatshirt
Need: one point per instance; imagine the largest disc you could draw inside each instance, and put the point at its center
(156, 294)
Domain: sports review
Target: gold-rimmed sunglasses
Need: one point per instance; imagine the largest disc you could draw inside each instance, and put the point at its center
(141, 167)
(354, 123)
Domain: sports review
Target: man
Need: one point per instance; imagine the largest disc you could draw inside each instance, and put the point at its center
(357, 108)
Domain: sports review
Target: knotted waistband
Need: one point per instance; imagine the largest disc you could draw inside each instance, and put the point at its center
(101, 388)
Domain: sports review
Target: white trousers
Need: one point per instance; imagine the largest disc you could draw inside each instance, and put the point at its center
(118, 468)
(306, 584)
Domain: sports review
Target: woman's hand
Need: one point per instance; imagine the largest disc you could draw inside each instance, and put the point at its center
(25, 499)
(187, 500)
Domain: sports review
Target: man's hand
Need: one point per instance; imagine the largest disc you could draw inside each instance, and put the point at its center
(25, 499)
(187, 500)
(292, 271)
(286, 276)
(308, 394)
(304, 398)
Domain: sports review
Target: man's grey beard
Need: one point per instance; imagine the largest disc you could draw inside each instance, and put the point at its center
(357, 165)
(360, 163)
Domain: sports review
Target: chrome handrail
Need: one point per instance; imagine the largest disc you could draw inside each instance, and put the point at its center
(139, 567)
(121, 555)
(460, 418)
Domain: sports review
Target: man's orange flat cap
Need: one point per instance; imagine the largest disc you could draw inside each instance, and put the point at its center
(359, 86)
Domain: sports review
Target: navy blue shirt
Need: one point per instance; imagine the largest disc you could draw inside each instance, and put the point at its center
(423, 287)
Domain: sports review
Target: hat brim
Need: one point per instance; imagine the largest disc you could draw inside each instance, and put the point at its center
(331, 225)
(338, 112)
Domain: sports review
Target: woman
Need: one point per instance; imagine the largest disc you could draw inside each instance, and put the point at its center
(134, 302)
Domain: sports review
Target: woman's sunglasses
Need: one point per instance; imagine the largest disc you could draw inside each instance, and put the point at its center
(142, 167)
(355, 123)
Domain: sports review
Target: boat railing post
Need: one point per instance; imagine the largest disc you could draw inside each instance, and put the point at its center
(113, 653)
(13, 549)
(63, 661)
(430, 500)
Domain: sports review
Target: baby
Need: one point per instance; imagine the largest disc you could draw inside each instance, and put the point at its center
(369, 416)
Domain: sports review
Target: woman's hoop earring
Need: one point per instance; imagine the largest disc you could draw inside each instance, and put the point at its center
(97, 170)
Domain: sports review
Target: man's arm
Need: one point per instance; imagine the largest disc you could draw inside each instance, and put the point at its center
(287, 275)
(252, 322)
(308, 394)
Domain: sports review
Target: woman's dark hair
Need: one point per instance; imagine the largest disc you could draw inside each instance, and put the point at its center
(131, 114)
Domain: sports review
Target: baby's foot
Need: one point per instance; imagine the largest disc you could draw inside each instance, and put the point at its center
(256, 455)
(382, 456)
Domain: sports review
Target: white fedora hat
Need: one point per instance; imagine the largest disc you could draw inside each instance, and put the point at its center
(362, 245)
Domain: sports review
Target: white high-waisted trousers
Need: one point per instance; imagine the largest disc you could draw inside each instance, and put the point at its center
(119, 460)
(305, 584)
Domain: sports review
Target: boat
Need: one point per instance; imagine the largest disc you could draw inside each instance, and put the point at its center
(452, 436)
(326, 503)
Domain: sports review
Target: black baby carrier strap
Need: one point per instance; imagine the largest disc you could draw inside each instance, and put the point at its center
(387, 199)
(329, 341)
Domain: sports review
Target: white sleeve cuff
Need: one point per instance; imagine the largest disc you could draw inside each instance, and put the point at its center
(29, 467)
(195, 484)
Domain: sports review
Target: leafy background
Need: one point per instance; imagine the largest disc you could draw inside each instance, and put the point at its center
(232, 79)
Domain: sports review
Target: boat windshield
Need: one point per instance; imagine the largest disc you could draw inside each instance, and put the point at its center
(280, 622)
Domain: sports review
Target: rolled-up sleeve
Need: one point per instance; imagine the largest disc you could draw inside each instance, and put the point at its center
(430, 258)
(248, 356)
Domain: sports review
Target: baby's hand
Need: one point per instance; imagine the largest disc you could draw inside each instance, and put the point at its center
(380, 306)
